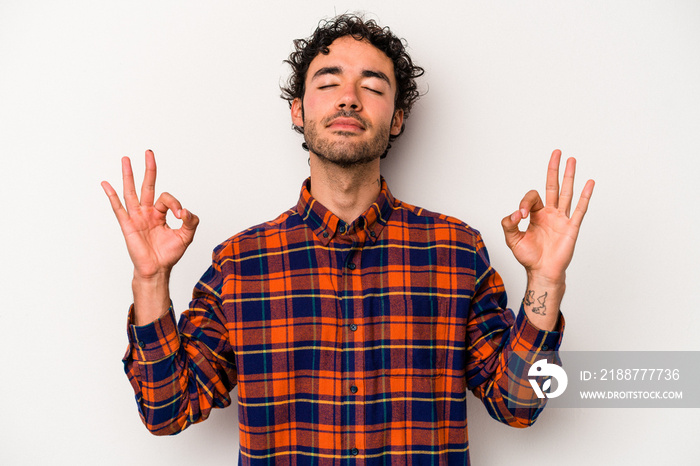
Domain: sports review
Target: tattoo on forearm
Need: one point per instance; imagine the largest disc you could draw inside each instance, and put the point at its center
(541, 309)
(528, 298)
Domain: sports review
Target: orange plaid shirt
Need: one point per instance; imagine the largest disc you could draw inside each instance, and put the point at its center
(349, 343)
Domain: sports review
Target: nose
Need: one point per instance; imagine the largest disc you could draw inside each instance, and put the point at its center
(349, 99)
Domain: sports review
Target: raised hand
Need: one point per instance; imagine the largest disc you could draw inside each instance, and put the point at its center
(153, 246)
(545, 249)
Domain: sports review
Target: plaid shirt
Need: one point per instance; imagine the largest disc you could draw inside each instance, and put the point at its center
(349, 343)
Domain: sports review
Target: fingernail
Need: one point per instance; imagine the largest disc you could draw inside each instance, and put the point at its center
(523, 212)
(515, 217)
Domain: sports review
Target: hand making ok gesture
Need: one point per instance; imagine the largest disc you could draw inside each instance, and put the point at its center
(153, 246)
(546, 247)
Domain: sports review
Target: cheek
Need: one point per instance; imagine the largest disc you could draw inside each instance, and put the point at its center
(311, 106)
(385, 108)
(391, 119)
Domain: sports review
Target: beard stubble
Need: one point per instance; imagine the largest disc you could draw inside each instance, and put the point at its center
(347, 152)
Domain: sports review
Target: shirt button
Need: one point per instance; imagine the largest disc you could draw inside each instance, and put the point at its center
(353, 389)
(342, 229)
(351, 266)
(355, 452)
(141, 344)
(372, 233)
(325, 234)
(545, 347)
(353, 327)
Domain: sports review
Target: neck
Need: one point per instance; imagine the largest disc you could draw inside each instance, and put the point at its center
(346, 191)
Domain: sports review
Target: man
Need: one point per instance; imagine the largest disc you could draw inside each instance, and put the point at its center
(353, 323)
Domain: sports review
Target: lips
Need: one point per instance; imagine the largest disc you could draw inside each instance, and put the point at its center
(345, 123)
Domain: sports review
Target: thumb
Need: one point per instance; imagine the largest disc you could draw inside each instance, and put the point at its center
(510, 228)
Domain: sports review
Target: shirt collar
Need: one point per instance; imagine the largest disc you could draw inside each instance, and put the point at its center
(326, 225)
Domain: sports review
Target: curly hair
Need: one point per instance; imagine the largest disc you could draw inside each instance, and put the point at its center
(353, 25)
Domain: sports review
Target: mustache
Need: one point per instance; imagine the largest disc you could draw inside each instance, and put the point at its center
(346, 114)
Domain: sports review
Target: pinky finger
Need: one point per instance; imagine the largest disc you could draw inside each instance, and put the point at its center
(582, 206)
(114, 201)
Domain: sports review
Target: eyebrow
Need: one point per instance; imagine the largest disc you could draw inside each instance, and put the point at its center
(335, 70)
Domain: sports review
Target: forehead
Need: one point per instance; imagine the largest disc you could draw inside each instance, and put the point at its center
(353, 56)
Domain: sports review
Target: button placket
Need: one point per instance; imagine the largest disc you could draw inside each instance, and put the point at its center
(346, 291)
(353, 410)
(349, 263)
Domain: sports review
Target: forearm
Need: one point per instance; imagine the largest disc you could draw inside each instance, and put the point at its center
(542, 301)
(502, 374)
(181, 372)
(178, 379)
(151, 297)
(535, 334)
(498, 340)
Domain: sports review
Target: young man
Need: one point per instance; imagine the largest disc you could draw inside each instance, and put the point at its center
(353, 323)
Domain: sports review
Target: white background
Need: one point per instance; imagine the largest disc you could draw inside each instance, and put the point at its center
(83, 83)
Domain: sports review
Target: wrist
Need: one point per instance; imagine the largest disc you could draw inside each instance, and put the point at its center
(152, 278)
(544, 281)
(151, 297)
(542, 300)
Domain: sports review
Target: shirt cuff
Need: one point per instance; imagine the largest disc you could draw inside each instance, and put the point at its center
(530, 338)
(154, 341)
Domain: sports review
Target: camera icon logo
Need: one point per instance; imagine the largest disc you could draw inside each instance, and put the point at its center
(542, 368)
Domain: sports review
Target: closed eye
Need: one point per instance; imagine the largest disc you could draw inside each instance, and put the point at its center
(374, 91)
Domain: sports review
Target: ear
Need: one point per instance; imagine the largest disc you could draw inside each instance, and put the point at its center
(297, 112)
(397, 122)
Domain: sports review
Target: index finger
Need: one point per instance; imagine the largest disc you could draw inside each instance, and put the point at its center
(552, 187)
(117, 207)
(582, 206)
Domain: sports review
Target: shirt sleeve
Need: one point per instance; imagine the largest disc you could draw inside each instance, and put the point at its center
(180, 372)
(501, 347)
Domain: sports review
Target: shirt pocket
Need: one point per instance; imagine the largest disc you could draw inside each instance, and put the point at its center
(413, 338)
